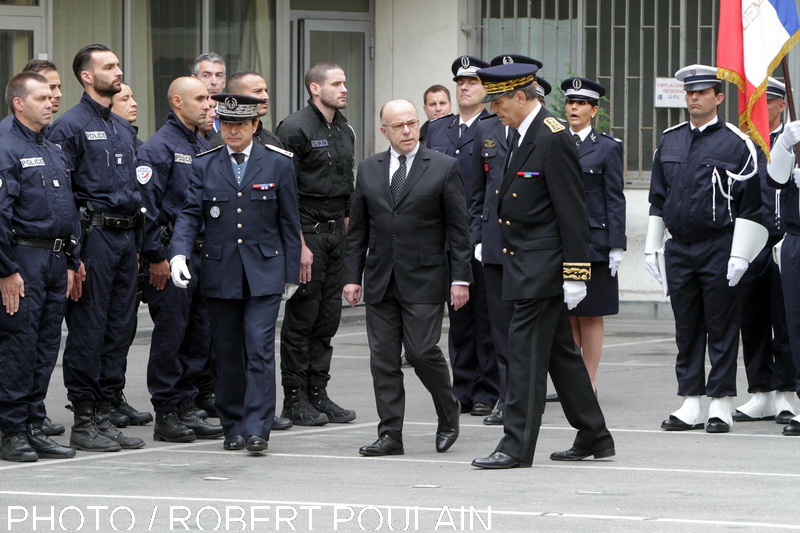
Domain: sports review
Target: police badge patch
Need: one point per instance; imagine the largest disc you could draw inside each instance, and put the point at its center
(214, 212)
(143, 174)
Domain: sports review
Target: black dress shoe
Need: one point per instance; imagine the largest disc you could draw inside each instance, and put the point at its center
(717, 425)
(234, 442)
(385, 445)
(574, 454)
(480, 409)
(497, 461)
(551, 398)
(793, 429)
(280, 423)
(447, 431)
(495, 419)
(673, 423)
(256, 443)
(739, 416)
(45, 447)
(784, 417)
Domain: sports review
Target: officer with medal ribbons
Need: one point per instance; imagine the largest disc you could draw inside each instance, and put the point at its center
(245, 195)
(38, 222)
(543, 224)
(705, 190)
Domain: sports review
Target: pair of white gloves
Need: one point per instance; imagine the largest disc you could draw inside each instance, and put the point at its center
(787, 140)
(574, 291)
(737, 266)
(179, 272)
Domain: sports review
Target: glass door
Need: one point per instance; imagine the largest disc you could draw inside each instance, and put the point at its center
(347, 43)
(20, 39)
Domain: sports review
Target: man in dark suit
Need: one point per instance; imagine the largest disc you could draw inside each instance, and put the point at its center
(407, 202)
(545, 264)
(470, 344)
(245, 195)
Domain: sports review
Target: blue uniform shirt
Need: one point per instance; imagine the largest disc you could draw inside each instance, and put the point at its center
(163, 174)
(35, 193)
(100, 150)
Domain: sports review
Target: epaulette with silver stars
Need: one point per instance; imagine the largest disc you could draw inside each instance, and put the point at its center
(287, 153)
(201, 154)
(676, 127)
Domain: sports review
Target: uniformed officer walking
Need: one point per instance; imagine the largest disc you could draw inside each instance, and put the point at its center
(702, 192)
(38, 222)
(181, 338)
(245, 196)
(99, 149)
(323, 144)
(470, 344)
(542, 219)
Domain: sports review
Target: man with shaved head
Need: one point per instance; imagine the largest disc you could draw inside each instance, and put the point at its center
(408, 201)
(181, 339)
(253, 84)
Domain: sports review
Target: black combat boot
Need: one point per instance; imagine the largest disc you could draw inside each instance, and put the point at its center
(191, 419)
(169, 428)
(15, 447)
(86, 436)
(51, 429)
(205, 401)
(105, 427)
(46, 447)
(121, 407)
(318, 397)
(297, 409)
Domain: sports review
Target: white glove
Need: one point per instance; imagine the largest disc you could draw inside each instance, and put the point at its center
(288, 290)
(478, 253)
(651, 264)
(737, 266)
(790, 135)
(179, 271)
(796, 176)
(614, 260)
(574, 292)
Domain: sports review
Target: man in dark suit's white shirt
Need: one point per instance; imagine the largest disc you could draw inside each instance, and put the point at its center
(407, 201)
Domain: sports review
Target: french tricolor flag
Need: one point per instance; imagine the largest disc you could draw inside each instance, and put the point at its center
(753, 38)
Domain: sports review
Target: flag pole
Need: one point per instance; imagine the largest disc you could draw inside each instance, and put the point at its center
(789, 94)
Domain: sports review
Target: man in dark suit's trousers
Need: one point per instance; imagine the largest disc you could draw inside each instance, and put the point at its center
(407, 202)
(245, 196)
(545, 260)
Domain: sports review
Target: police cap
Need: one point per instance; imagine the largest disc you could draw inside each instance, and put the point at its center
(582, 89)
(237, 108)
(698, 77)
(505, 59)
(467, 66)
(775, 89)
(503, 79)
(543, 87)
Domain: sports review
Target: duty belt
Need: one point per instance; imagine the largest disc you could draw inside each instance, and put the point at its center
(55, 245)
(113, 221)
(320, 227)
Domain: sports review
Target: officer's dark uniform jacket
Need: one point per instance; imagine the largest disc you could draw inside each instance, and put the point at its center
(488, 158)
(681, 183)
(323, 163)
(443, 136)
(100, 150)
(35, 194)
(601, 160)
(5, 124)
(163, 174)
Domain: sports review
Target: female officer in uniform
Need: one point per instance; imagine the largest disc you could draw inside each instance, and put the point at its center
(601, 160)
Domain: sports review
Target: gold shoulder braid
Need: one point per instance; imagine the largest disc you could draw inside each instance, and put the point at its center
(577, 271)
(554, 125)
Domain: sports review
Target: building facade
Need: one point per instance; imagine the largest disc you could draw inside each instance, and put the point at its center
(391, 49)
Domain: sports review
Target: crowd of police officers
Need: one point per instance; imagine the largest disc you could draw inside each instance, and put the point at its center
(88, 218)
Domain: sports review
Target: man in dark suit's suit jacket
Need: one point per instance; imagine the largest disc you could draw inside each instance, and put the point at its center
(250, 259)
(398, 244)
(545, 260)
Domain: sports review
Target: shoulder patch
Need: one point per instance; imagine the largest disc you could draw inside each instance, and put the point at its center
(287, 153)
(675, 127)
(201, 154)
(611, 137)
(554, 125)
(143, 174)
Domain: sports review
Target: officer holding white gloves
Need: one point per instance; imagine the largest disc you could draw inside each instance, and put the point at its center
(702, 192)
(785, 176)
(244, 194)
